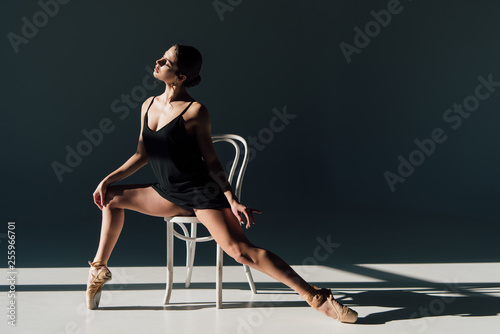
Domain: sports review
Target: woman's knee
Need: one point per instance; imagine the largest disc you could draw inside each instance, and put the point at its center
(245, 253)
(115, 197)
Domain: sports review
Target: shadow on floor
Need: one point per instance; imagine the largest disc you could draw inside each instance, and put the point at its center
(417, 305)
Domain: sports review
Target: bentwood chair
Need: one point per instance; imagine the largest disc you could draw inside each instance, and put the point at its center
(192, 239)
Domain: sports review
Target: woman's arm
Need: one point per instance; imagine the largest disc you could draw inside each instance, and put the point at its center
(203, 130)
(132, 165)
(203, 127)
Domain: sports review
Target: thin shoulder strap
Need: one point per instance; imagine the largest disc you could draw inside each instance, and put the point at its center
(152, 100)
(186, 108)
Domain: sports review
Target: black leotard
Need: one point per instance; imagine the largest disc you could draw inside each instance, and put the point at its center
(177, 162)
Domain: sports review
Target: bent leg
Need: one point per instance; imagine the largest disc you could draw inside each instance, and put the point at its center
(227, 232)
(137, 197)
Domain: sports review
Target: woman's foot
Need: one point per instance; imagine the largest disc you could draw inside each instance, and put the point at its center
(99, 274)
(323, 301)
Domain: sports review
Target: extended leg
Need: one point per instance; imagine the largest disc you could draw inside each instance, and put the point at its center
(227, 232)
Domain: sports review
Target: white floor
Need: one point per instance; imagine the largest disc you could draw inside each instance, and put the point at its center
(390, 298)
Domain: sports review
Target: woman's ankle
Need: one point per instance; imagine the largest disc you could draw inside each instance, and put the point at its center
(98, 262)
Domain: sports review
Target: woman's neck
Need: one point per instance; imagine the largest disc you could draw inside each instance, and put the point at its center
(177, 94)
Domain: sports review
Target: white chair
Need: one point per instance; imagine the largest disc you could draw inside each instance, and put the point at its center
(193, 220)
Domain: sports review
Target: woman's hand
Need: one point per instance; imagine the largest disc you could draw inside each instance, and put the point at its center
(100, 194)
(239, 210)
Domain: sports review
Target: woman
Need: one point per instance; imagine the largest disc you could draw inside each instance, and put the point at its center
(175, 136)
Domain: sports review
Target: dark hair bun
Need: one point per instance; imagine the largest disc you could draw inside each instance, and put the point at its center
(193, 82)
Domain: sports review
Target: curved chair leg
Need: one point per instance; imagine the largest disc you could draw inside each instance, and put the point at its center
(218, 281)
(191, 250)
(250, 278)
(188, 258)
(170, 261)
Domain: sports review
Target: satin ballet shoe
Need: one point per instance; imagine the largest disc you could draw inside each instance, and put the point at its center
(99, 274)
(336, 310)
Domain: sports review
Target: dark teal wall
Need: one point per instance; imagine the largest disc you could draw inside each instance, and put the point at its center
(324, 175)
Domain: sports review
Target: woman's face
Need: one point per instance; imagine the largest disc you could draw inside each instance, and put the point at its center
(166, 66)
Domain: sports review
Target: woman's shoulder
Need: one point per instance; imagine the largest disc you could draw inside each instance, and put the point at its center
(146, 104)
(148, 101)
(197, 109)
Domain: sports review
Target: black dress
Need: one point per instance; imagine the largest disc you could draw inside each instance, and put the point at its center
(177, 162)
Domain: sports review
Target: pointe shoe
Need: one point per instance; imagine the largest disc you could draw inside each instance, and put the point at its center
(334, 309)
(99, 274)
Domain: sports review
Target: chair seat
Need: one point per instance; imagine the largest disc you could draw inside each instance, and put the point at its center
(183, 219)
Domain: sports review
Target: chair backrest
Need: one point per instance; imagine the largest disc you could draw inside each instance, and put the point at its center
(234, 139)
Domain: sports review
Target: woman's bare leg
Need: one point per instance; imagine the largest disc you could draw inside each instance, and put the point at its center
(111, 227)
(138, 197)
(141, 198)
(227, 232)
